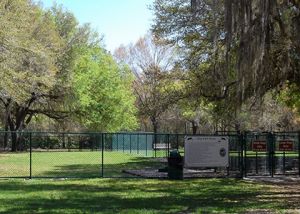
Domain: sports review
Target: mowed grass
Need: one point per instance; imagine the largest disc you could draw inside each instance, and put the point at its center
(72, 164)
(143, 196)
(83, 164)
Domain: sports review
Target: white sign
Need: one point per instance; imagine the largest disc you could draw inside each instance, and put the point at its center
(206, 151)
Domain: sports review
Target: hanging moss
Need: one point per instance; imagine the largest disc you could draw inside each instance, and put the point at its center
(266, 37)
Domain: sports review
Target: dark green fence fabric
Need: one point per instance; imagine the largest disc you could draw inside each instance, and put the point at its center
(88, 155)
(133, 143)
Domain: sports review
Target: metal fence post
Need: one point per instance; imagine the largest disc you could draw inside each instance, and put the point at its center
(138, 143)
(146, 144)
(283, 158)
(155, 139)
(130, 143)
(30, 151)
(245, 154)
(123, 136)
(241, 142)
(68, 143)
(117, 141)
(299, 152)
(102, 145)
(271, 152)
(168, 141)
(256, 162)
(63, 138)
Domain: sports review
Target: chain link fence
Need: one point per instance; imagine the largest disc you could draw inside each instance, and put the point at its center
(92, 155)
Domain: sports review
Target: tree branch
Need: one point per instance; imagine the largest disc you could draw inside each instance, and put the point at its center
(57, 115)
(220, 97)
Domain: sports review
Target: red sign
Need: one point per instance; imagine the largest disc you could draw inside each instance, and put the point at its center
(259, 146)
(286, 145)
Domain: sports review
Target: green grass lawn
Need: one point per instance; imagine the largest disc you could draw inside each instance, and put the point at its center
(277, 154)
(84, 164)
(142, 196)
(72, 164)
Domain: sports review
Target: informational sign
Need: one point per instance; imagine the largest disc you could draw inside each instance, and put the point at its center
(206, 151)
(259, 146)
(286, 145)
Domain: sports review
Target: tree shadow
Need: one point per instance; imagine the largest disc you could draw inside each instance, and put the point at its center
(135, 196)
(97, 170)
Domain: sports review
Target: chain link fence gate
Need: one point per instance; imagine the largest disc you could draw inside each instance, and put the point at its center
(269, 154)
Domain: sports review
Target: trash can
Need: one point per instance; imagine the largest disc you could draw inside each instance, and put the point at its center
(175, 166)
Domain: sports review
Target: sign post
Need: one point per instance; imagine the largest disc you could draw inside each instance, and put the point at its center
(258, 146)
(285, 146)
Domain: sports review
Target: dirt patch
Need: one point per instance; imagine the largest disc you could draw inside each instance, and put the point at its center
(187, 173)
(291, 182)
(284, 189)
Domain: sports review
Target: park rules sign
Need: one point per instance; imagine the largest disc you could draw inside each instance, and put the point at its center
(286, 145)
(259, 146)
(206, 151)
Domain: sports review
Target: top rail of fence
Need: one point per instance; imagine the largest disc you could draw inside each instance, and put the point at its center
(219, 133)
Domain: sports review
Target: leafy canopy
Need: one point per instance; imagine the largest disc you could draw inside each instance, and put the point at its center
(29, 47)
(103, 89)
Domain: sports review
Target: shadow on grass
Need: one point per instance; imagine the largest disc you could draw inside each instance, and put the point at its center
(136, 196)
(95, 170)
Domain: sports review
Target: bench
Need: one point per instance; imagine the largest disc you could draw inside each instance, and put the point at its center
(160, 146)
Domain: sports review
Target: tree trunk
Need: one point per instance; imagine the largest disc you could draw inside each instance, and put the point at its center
(14, 141)
(155, 129)
(15, 130)
(16, 125)
(7, 110)
(63, 141)
(5, 142)
(237, 127)
(194, 127)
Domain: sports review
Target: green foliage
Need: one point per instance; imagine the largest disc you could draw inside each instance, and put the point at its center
(290, 95)
(42, 54)
(103, 90)
(29, 47)
(192, 109)
(74, 37)
(200, 35)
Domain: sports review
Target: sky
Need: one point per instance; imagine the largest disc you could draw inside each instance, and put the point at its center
(120, 21)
